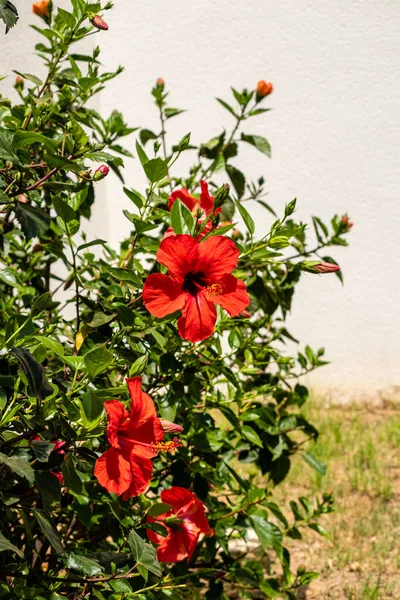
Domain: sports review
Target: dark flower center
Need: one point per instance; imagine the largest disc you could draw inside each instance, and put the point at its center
(194, 282)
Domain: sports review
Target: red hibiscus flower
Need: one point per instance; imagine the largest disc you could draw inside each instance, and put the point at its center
(199, 277)
(205, 205)
(135, 438)
(184, 522)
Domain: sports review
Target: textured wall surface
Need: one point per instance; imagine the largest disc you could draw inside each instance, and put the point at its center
(334, 132)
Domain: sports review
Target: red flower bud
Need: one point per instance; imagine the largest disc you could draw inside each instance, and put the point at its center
(245, 314)
(19, 82)
(345, 222)
(237, 235)
(101, 172)
(41, 8)
(100, 23)
(170, 427)
(160, 82)
(263, 89)
(325, 267)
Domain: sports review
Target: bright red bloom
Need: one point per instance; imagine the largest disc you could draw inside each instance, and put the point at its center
(199, 277)
(184, 522)
(135, 438)
(41, 8)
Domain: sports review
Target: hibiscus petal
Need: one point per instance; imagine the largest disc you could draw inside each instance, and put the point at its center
(198, 318)
(113, 471)
(230, 293)
(179, 545)
(177, 497)
(117, 415)
(141, 472)
(144, 425)
(206, 201)
(185, 197)
(180, 254)
(161, 295)
(218, 256)
(196, 514)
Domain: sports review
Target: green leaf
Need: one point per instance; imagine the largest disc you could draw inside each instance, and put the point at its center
(271, 588)
(33, 220)
(9, 277)
(97, 360)
(258, 142)
(33, 78)
(156, 169)
(49, 530)
(5, 544)
(248, 220)
(145, 135)
(82, 564)
(63, 210)
(51, 344)
(49, 489)
(237, 178)
(172, 112)
(38, 386)
(141, 154)
(138, 366)
(71, 477)
(251, 435)
(319, 529)
(42, 449)
(136, 198)
(25, 139)
(144, 554)
(182, 220)
(269, 534)
(7, 147)
(158, 509)
(316, 464)
(8, 14)
(90, 244)
(92, 406)
(123, 274)
(228, 108)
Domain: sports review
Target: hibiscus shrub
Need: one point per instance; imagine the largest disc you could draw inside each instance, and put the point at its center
(149, 406)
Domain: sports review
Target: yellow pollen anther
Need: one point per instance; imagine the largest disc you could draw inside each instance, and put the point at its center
(170, 447)
(214, 289)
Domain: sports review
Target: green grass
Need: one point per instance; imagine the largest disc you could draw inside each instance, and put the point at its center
(361, 447)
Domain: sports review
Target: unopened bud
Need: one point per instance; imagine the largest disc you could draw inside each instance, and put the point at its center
(345, 222)
(160, 82)
(221, 195)
(325, 267)
(59, 477)
(86, 174)
(41, 8)
(245, 314)
(101, 172)
(22, 198)
(169, 427)
(19, 82)
(237, 235)
(263, 89)
(99, 23)
(301, 570)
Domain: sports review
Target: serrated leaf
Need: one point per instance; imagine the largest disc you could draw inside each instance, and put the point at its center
(251, 435)
(82, 564)
(19, 466)
(42, 449)
(269, 534)
(144, 553)
(8, 14)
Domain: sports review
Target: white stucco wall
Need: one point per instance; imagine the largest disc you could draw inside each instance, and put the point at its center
(334, 132)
